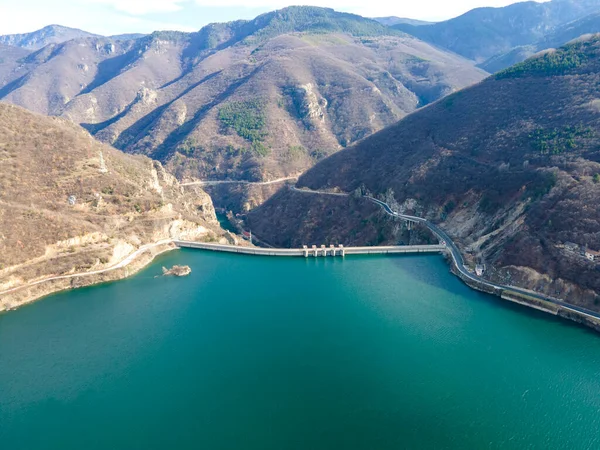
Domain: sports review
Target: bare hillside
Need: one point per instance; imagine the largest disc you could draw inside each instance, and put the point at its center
(69, 204)
(252, 100)
(510, 168)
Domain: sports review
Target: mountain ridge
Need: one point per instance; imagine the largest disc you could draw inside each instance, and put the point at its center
(509, 168)
(243, 100)
(564, 34)
(483, 33)
(50, 34)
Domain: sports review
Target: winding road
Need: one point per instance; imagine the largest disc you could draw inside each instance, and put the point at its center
(253, 183)
(458, 259)
(119, 265)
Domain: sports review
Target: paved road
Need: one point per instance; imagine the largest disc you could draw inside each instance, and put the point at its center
(458, 259)
(309, 191)
(119, 265)
(320, 251)
(254, 183)
(459, 263)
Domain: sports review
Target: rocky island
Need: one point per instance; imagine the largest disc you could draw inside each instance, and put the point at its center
(178, 271)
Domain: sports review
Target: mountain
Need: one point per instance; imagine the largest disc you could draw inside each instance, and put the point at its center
(483, 33)
(10, 61)
(561, 36)
(252, 100)
(510, 168)
(127, 36)
(69, 204)
(392, 20)
(52, 34)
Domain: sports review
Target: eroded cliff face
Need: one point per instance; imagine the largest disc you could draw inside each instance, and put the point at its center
(70, 205)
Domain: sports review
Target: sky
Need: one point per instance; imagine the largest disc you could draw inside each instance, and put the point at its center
(108, 17)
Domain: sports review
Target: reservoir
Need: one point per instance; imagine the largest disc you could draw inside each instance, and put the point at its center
(259, 353)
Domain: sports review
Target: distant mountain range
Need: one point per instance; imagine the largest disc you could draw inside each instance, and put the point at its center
(52, 34)
(393, 20)
(588, 25)
(251, 100)
(495, 38)
(510, 168)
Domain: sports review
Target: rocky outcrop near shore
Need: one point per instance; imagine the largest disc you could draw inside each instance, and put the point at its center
(75, 212)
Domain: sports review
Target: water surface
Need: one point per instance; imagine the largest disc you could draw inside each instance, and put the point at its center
(266, 353)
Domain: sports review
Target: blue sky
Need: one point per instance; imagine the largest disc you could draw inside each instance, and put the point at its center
(143, 16)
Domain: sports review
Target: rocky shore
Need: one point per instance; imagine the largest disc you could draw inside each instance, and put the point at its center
(178, 271)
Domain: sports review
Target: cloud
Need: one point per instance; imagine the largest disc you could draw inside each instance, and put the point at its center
(89, 15)
(346, 4)
(115, 16)
(432, 9)
(140, 7)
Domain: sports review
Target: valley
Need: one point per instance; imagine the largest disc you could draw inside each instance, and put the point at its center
(299, 228)
(243, 115)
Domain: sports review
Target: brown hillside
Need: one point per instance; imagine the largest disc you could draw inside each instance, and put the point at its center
(510, 168)
(250, 100)
(44, 163)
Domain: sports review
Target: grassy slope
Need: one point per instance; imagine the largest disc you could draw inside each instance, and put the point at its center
(509, 167)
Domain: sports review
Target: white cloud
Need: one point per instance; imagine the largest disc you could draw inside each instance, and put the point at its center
(88, 15)
(432, 9)
(126, 16)
(280, 3)
(139, 7)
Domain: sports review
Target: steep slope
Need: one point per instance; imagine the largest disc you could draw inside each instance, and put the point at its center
(561, 36)
(52, 34)
(510, 168)
(253, 100)
(483, 33)
(69, 204)
(11, 66)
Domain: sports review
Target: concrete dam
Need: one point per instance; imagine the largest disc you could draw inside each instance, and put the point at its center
(314, 250)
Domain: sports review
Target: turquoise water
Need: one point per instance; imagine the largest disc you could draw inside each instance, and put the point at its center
(273, 353)
(224, 222)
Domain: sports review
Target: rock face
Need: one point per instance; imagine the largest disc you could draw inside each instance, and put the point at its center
(129, 206)
(252, 100)
(510, 168)
(178, 271)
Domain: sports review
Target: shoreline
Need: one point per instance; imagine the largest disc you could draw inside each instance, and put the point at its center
(145, 255)
(130, 265)
(530, 302)
(514, 294)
